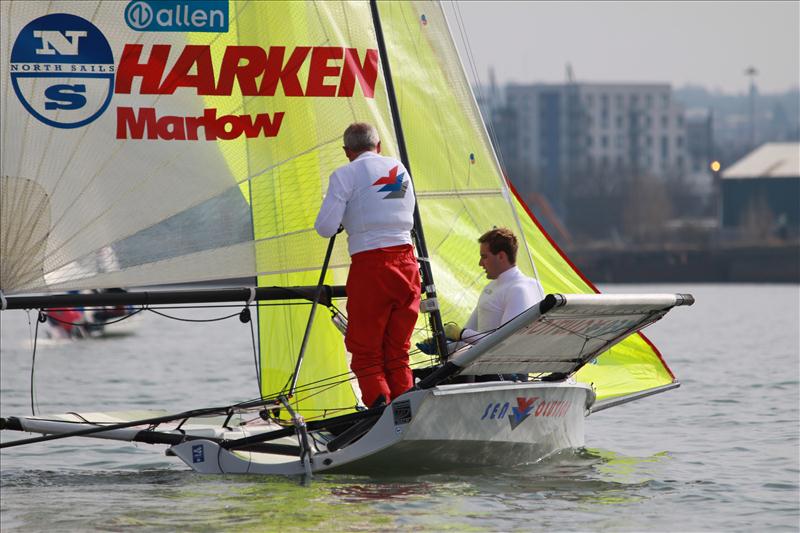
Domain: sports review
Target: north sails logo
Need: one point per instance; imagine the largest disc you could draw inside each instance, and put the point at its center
(393, 183)
(62, 70)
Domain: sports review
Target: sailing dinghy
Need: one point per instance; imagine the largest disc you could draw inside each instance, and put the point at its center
(195, 145)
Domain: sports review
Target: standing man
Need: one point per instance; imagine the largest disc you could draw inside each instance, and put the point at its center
(373, 198)
(508, 294)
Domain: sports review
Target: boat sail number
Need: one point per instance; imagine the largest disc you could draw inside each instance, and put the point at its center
(525, 407)
(198, 455)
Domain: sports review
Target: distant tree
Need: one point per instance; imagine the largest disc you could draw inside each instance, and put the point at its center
(647, 209)
(594, 202)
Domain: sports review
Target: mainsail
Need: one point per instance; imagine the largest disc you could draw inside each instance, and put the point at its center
(133, 157)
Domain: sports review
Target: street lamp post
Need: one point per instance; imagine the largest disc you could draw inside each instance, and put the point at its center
(751, 72)
(715, 167)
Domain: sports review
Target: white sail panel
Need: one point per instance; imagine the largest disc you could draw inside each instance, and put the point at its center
(140, 150)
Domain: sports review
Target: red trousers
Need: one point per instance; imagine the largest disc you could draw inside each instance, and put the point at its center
(383, 291)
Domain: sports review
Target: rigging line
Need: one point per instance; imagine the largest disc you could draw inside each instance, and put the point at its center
(33, 360)
(317, 296)
(81, 324)
(255, 352)
(199, 320)
(321, 384)
(492, 137)
(449, 156)
(324, 388)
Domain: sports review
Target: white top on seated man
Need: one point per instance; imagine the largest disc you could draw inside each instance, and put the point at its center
(508, 294)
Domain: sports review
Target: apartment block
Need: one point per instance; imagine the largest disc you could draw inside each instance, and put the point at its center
(560, 130)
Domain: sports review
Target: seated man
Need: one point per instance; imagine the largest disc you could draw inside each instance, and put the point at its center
(508, 294)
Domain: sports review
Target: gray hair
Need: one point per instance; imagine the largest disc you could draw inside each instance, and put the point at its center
(361, 136)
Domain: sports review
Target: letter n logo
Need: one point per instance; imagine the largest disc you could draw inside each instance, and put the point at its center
(65, 44)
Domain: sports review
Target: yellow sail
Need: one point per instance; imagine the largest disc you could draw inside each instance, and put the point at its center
(286, 177)
(462, 192)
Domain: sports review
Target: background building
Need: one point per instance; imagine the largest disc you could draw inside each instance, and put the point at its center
(560, 130)
(587, 147)
(761, 193)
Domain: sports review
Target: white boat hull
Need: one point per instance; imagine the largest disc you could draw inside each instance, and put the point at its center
(440, 429)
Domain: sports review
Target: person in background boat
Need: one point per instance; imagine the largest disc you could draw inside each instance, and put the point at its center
(508, 294)
(373, 198)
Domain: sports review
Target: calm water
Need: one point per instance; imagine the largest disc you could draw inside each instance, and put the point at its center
(720, 453)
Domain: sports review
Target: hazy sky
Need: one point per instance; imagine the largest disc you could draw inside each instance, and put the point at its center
(680, 42)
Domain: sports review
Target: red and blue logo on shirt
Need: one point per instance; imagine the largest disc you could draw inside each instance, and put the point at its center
(395, 185)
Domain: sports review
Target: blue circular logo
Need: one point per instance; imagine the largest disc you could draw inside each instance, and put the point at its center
(62, 70)
(139, 15)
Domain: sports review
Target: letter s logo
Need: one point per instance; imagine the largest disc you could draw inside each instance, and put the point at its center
(64, 96)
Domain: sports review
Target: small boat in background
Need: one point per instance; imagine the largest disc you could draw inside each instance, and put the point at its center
(83, 323)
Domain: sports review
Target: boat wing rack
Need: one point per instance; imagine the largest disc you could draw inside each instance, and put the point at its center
(564, 332)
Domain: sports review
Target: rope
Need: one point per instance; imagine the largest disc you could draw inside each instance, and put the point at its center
(196, 320)
(33, 359)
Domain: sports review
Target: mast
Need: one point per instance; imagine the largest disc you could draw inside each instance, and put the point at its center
(422, 248)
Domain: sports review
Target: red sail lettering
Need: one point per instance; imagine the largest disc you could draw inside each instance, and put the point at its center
(198, 56)
(257, 71)
(320, 69)
(171, 128)
(366, 74)
(262, 123)
(150, 72)
(255, 62)
(286, 74)
(176, 128)
(127, 121)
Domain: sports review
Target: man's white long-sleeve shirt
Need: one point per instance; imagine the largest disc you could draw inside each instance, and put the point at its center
(501, 300)
(373, 198)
